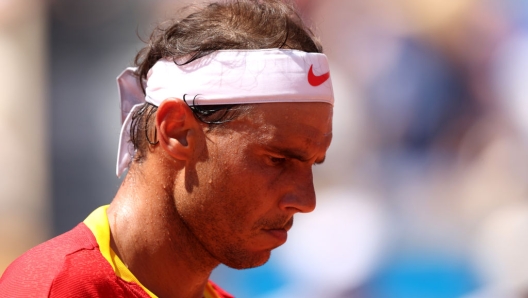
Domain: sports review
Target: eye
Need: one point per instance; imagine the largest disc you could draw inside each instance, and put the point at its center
(277, 160)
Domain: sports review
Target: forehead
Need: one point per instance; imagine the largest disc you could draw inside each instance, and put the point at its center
(284, 123)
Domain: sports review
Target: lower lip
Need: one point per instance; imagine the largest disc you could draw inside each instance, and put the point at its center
(280, 234)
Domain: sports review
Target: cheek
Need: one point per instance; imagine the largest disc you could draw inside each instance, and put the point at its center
(240, 195)
(231, 195)
(240, 186)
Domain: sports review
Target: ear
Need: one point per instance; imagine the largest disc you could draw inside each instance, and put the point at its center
(177, 127)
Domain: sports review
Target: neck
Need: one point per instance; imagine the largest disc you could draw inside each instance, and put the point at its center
(149, 236)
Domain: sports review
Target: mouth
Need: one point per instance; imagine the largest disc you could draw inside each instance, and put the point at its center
(280, 233)
(288, 224)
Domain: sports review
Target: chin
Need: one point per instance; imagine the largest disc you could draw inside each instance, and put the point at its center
(247, 260)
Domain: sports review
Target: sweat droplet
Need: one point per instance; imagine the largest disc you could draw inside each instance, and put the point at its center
(210, 181)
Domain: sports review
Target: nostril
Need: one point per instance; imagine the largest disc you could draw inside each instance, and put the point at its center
(311, 202)
(302, 200)
(299, 189)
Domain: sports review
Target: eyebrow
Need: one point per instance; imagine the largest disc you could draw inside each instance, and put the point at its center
(294, 154)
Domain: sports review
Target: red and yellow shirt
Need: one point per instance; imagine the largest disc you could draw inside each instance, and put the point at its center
(78, 263)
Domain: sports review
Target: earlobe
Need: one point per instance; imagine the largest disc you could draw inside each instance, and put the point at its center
(176, 127)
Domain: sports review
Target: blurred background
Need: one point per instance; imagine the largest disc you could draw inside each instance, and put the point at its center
(423, 193)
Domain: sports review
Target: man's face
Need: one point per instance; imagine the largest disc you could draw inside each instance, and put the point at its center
(253, 176)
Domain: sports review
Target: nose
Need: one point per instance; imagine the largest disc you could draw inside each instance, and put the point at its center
(301, 194)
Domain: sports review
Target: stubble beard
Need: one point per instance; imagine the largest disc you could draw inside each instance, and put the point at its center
(236, 257)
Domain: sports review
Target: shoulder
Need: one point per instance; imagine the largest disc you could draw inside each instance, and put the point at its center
(69, 265)
(34, 271)
(86, 273)
(32, 274)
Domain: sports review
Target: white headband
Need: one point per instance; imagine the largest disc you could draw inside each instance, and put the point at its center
(225, 77)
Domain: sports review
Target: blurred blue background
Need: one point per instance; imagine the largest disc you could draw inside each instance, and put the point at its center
(423, 193)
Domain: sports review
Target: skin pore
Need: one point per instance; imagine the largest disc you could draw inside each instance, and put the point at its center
(228, 195)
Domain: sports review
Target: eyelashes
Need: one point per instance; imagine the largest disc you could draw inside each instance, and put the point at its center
(277, 160)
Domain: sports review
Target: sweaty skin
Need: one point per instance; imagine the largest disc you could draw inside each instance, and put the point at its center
(225, 195)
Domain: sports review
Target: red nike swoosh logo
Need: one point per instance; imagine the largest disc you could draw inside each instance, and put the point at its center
(317, 80)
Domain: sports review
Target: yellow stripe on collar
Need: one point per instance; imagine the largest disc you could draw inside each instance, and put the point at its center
(97, 222)
(210, 292)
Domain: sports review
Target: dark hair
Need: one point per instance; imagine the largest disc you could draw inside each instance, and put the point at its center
(224, 25)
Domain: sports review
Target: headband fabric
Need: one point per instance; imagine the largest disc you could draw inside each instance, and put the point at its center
(225, 77)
